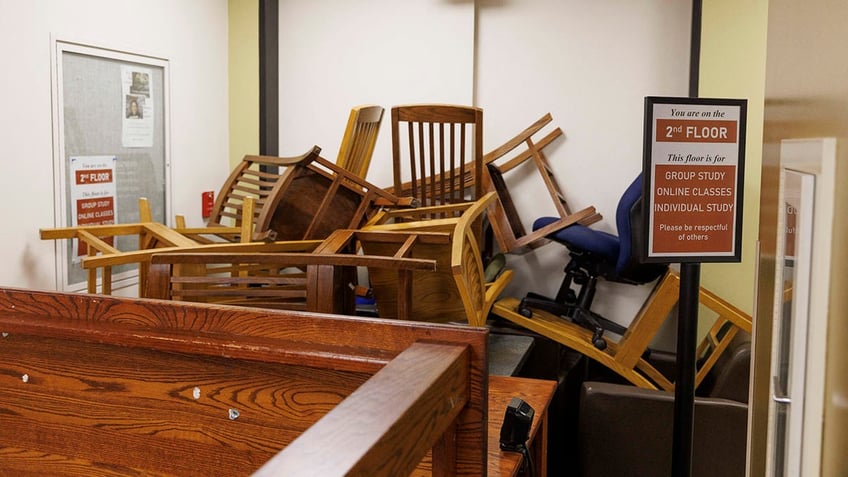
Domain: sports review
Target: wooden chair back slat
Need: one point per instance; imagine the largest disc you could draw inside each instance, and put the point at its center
(360, 137)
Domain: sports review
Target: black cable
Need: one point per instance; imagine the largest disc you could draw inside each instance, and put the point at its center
(527, 467)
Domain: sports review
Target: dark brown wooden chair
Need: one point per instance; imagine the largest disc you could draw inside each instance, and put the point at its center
(519, 153)
(309, 198)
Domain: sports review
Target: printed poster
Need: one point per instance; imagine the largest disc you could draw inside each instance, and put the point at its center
(93, 194)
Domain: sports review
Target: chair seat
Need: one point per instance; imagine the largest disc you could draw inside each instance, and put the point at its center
(582, 238)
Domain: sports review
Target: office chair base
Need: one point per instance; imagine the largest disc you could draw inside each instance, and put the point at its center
(585, 318)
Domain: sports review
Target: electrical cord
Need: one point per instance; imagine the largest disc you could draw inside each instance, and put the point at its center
(528, 462)
(527, 467)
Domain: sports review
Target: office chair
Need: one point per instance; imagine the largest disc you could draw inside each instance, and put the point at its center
(596, 254)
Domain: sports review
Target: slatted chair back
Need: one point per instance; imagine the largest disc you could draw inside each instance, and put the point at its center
(437, 153)
(257, 177)
(363, 127)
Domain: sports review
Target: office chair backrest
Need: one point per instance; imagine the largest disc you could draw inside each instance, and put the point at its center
(629, 218)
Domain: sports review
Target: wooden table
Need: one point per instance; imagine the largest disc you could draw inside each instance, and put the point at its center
(538, 394)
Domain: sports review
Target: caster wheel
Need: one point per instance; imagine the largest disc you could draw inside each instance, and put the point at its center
(525, 312)
(600, 343)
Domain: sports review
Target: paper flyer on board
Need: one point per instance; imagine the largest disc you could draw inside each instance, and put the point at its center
(137, 105)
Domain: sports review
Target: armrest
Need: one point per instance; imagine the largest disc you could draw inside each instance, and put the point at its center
(382, 431)
(302, 159)
(625, 430)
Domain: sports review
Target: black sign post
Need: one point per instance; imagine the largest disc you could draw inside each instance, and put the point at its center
(693, 182)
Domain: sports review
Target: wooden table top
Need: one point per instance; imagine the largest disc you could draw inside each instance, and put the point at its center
(537, 393)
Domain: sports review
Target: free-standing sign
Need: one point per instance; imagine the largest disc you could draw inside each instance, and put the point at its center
(693, 178)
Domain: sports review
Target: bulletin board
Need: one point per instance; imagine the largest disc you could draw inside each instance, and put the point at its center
(111, 147)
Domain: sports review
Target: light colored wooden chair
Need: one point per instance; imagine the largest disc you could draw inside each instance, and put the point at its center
(627, 356)
(360, 136)
(456, 291)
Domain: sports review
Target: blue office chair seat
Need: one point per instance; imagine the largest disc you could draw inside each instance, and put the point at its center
(578, 236)
(596, 254)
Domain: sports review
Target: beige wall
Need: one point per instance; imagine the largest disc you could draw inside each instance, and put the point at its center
(732, 65)
(806, 95)
(244, 78)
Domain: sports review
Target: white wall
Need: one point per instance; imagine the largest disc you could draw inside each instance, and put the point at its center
(335, 54)
(590, 64)
(191, 34)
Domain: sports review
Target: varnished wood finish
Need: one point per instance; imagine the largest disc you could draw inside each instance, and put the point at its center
(457, 290)
(437, 150)
(626, 357)
(383, 428)
(269, 280)
(257, 177)
(317, 198)
(538, 394)
(310, 198)
(506, 223)
(98, 385)
(360, 137)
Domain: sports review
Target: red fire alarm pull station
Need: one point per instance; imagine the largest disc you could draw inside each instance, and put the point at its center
(206, 202)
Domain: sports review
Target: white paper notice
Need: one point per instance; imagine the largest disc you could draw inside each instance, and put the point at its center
(137, 104)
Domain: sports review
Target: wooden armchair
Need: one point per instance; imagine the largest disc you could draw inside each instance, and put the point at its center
(456, 291)
(307, 200)
(257, 177)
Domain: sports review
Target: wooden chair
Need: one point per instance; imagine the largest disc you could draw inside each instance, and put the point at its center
(310, 198)
(437, 153)
(323, 283)
(154, 238)
(504, 218)
(257, 176)
(96, 385)
(359, 139)
(627, 356)
(456, 292)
